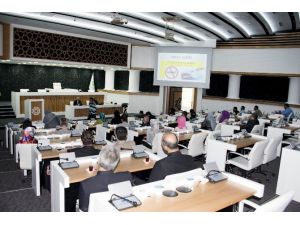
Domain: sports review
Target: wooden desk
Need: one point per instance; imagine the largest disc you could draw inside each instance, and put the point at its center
(204, 198)
(54, 101)
(292, 128)
(126, 164)
(39, 156)
(217, 150)
(244, 142)
(61, 179)
(81, 112)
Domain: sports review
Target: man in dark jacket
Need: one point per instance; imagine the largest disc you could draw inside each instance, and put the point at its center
(87, 138)
(108, 161)
(252, 122)
(175, 162)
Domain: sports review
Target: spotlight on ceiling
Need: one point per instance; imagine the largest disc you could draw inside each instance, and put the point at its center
(117, 20)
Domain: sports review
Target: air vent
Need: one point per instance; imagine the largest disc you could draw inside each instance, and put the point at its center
(215, 22)
(230, 32)
(173, 19)
(47, 14)
(191, 28)
(280, 24)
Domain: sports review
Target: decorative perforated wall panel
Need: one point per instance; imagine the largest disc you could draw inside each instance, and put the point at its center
(42, 45)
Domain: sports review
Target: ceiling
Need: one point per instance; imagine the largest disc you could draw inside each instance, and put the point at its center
(160, 27)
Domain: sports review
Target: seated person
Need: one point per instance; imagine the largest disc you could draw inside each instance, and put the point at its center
(117, 118)
(181, 123)
(102, 117)
(92, 109)
(185, 114)
(146, 121)
(50, 120)
(28, 136)
(287, 111)
(251, 122)
(209, 122)
(151, 116)
(153, 131)
(242, 110)
(121, 136)
(225, 115)
(77, 102)
(108, 160)
(27, 123)
(235, 111)
(141, 114)
(193, 114)
(175, 162)
(63, 129)
(257, 111)
(87, 139)
(124, 118)
(95, 101)
(172, 112)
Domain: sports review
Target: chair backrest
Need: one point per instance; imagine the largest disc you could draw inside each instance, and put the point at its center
(278, 204)
(156, 145)
(289, 117)
(218, 127)
(258, 129)
(130, 118)
(189, 125)
(196, 144)
(270, 152)
(25, 155)
(256, 154)
(80, 126)
(228, 130)
(100, 133)
(131, 134)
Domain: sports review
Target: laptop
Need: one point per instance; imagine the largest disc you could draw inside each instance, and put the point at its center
(213, 173)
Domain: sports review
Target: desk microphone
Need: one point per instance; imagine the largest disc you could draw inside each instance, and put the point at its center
(134, 203)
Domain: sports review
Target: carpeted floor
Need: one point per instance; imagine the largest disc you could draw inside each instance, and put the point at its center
(16, 194)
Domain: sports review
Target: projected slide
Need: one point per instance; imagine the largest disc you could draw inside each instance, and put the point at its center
(182, 67)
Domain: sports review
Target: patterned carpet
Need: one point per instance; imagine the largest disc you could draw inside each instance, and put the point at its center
(16, 194)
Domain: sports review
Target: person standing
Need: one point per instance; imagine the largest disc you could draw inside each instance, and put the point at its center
(92, 109)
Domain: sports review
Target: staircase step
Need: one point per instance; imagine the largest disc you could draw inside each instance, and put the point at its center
(6, 109)
(6, 112)
(7, 116)
(5, 106)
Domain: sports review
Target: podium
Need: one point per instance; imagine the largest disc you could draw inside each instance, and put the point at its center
(34, 109)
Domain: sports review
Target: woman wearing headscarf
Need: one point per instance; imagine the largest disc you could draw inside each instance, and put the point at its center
(210, 122)
(225, 115)
(181, 123)
(27, 136)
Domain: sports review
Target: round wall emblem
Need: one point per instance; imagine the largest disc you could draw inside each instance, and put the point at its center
(36, 111)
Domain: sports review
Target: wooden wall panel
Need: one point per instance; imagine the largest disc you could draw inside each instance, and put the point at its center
(56, 103)
(6, 41)
(106, 111)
